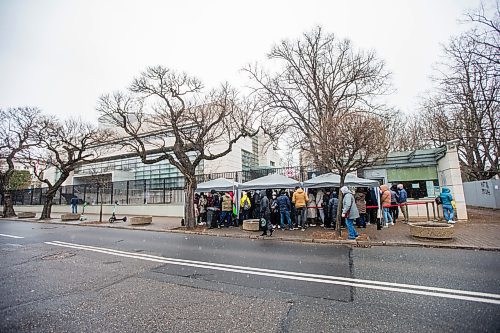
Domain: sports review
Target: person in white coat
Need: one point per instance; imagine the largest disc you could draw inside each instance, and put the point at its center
(311, 209)
(319, 203)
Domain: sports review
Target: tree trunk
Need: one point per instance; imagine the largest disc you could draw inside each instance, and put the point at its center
(8, 206)
(339, 210)
(189, 188)
(47, 206)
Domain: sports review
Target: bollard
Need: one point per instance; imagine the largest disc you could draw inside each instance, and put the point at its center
(427, 208)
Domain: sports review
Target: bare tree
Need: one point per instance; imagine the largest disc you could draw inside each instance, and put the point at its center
(406, 132)
(64, 145)
(18, 133)
(465, 105)
(486, 33)
(349, 142)
(328, 94)
(166, 116)
(318, 76)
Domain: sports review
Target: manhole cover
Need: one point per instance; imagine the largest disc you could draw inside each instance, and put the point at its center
(60, 255)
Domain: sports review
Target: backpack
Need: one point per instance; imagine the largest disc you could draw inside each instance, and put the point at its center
(246, 206)
(217, 201)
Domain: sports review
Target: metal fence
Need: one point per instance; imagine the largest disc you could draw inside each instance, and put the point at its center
(131, 192)
(147, 191)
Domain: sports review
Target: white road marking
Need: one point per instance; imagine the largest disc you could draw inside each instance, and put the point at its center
(326, 279)
(11, 236)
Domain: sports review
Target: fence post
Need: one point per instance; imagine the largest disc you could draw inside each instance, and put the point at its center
(60, 195)
(164, 184)
(98, 191)
(427, 208)
(127, 190)
(84, 192)
(32, 193)
(144, 192)
(111, 193)
(434, 212)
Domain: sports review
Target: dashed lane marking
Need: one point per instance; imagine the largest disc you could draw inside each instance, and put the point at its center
(11, 236)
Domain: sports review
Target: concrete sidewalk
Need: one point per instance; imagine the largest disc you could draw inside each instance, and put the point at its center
(470, 235)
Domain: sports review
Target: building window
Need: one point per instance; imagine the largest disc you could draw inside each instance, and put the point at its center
(248, 160)
(417, 189)
(255, 145)
(272, 163)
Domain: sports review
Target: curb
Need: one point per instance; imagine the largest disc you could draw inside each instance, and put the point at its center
(352, 243)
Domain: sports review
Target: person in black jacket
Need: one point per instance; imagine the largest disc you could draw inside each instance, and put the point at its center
(333, 206)
(265, 214)
(326, 200)
(256, 204)
(371, 213)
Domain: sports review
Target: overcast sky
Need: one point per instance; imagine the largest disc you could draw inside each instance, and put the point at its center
(61, 55)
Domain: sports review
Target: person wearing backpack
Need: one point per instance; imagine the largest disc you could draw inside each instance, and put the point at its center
(446, 199)
(245, 206)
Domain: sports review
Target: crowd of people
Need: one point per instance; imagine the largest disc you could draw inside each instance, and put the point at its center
(298, 209)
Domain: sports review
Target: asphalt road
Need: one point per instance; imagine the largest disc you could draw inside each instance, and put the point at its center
(87, 279)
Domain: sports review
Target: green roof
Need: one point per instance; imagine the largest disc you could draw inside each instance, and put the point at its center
(410, 159)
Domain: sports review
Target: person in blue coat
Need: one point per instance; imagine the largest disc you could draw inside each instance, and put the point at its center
(74, 204)
(446, 199)
(284, 206)
(403, 201)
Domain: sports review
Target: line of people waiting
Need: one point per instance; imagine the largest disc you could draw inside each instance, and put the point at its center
(299, 209)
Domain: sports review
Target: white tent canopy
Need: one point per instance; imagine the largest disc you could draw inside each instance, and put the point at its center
(219, 185)
(270, 181)
(333, 180)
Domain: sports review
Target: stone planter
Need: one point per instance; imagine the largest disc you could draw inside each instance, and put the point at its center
(251, 225)
(70, 217)
(25, 215)
(431, 230)
(139, 220)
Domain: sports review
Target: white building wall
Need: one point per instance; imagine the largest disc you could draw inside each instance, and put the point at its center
(230, 162)
(267, 153)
